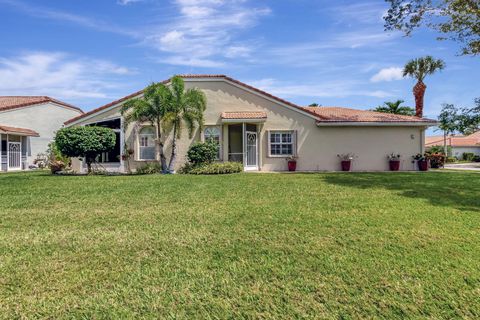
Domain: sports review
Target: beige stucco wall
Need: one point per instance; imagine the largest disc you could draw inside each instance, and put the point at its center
(317, 147)
(45, 118)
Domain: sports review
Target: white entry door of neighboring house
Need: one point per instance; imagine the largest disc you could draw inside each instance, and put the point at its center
(251, 150)
(14, 156)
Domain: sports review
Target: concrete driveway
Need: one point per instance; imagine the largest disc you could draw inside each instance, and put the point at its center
(473, 166)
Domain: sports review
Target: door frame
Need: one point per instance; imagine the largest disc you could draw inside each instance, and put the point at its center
(246, 166)
(8, 155)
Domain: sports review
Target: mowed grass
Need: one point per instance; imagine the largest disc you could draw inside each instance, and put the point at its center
(277, 246)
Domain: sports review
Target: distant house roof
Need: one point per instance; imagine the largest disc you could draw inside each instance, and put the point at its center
(472, 140)
(341, 114)
(244, 115)
(322, 114)
(14, 102)
(19, 131)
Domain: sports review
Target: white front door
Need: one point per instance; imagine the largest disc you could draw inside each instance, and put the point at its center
(14, 156)
(251, 161)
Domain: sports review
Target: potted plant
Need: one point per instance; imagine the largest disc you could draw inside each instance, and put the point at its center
(422, 161)
(346, 160)
(394, 161)
(292, 163)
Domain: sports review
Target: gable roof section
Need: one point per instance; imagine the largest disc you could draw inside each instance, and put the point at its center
(19, 131)
(472, 140)
(341, 114)
(321, 114)
(15, 102)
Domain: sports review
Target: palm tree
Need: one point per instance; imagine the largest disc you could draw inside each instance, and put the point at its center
(419, 68)
(185, 107)
(152, 108)
(395, 108)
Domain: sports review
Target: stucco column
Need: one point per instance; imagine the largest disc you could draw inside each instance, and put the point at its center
(225, 142)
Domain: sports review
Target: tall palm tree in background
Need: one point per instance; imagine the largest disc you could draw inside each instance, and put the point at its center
(419, 68)
(152, 108)
(185, 107)
(395, 108)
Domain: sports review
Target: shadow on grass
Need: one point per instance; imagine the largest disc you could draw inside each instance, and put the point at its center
(456, 190)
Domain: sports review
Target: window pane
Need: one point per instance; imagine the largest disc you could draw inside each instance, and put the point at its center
(286, 137)
(147, 153)
(147, 130)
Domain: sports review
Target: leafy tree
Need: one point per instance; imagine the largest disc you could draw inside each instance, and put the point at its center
(457, 20)
(448, 119)
(152, 108)
(314, 105)
(87, 142)
(395, 107)
(184, 107)
(469, 119)
(419, 68)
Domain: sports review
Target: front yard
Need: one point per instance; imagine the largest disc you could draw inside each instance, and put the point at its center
(240, 246)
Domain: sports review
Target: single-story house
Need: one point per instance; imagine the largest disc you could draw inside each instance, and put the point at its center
(27, 125)
(261, 131)
(460, 144)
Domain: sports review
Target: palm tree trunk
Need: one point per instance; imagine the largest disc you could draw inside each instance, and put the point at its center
(173, 157)
(161, 154)
(419, 93)
(445, 146)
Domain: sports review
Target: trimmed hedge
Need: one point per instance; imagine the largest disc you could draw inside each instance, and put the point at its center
(213, 168)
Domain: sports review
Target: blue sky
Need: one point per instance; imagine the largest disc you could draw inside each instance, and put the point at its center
(335, 53)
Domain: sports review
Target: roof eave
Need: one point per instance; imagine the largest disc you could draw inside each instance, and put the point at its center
(376, 124)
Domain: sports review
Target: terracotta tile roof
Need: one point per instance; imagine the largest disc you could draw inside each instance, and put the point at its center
(472, 140)
(244, 115)
(341, 114)
(322, 114)
(14, 102)
(21, 131)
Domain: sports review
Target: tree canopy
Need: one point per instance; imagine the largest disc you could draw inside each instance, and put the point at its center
(460, 119)
(395, 107)
(457, 20)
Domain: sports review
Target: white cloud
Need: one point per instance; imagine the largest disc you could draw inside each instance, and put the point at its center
(59, 75)
(204, 32)
(332, 88)
(52, 14)
(127, 2)
(388, 74)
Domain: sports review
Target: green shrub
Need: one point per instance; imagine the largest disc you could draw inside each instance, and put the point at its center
(150, 168)
(440, 149)
(468, 156)
(213, 168)
(451, 159)
(476, 158)
(202, 153)
(436, 160)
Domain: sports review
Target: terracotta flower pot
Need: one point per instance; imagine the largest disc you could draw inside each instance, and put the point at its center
(422, 165)
(292, 165)
(346, 165)
(394, 165)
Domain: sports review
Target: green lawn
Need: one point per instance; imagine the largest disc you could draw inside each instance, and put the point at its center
(240, 246)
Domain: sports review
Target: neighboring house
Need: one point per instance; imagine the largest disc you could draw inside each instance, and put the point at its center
(261, 131)
(27, 125)
(460, 144)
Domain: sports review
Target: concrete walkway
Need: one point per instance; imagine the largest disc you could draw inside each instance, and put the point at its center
(472, 166)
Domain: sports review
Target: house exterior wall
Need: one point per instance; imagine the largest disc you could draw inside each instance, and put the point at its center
(45, 118)
(459, 151)
(317, 147)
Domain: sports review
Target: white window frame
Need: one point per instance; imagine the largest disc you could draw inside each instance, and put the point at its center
(220, 140)
(293, 143)
(139, 145)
